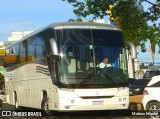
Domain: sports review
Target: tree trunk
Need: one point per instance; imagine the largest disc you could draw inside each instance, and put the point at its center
(152, 51)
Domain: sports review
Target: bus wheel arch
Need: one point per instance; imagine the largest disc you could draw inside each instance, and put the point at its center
(15, 100)
(43, 94)
(44, 103)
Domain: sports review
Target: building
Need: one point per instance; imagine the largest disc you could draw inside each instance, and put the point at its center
(15, 36)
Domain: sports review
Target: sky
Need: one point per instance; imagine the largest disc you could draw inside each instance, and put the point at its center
(18, 15)
(22, 15)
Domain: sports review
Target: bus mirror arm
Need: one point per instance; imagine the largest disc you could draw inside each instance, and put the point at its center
(49, 54)
(132, 49)
(54, 46)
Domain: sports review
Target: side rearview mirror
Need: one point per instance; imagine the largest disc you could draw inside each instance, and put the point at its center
(54, 46)
(132, 49)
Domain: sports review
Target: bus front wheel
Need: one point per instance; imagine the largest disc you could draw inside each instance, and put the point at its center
(45, 107)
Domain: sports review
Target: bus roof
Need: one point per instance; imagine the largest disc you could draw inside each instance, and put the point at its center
(92, 25)
(69, 25)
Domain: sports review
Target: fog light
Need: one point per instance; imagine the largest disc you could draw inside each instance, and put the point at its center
(67, 107)
(120, 100)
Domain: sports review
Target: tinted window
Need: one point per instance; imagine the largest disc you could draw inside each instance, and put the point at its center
(11, 52)
(23, 51)
(11, 56)
(74, 36)
(107, 38)
(47, 35)
(16, 52)
(150, 74)
(141, 82)
(31, 49)
(40, 47)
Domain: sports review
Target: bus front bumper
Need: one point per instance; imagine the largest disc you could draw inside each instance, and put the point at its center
(93, 104)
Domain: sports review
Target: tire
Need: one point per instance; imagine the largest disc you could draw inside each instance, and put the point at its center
(153, 107)
(45, 107)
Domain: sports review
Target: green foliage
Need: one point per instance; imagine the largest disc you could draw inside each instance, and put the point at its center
(129, 15)
(154, 37)
(130, 19)
(83, 8)
(153, 13)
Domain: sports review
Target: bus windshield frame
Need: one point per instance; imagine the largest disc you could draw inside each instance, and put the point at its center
(80, 52)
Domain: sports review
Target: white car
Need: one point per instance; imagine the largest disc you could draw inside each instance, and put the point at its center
(151, 99)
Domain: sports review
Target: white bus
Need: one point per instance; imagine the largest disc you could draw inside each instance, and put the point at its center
(55, 68)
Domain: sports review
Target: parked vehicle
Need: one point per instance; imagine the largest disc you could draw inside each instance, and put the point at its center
(150, 73)
(137, 87)
(131, 80)
(151, 99)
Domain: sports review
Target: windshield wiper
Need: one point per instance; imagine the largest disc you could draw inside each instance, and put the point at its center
(89, 77)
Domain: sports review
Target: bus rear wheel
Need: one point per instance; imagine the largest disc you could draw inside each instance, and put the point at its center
(45, 107)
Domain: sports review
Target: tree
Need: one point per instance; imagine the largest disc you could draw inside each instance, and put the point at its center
(131, 20)
(154, 38)
(153, 33)
(128, 15)
(153, 13)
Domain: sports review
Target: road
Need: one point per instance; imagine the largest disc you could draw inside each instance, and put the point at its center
(77, 115)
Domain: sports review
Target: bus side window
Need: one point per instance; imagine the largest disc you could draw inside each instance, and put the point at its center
(16, 52)
(11, 51)
(23, 50)
(6, 52)
(31, 49)
(40, 47)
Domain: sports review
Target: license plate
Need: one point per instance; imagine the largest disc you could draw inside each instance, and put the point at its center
(98, 102)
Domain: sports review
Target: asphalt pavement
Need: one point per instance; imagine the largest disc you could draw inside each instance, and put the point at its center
(77, 115)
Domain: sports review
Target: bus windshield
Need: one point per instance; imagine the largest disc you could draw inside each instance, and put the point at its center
(82, 50)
